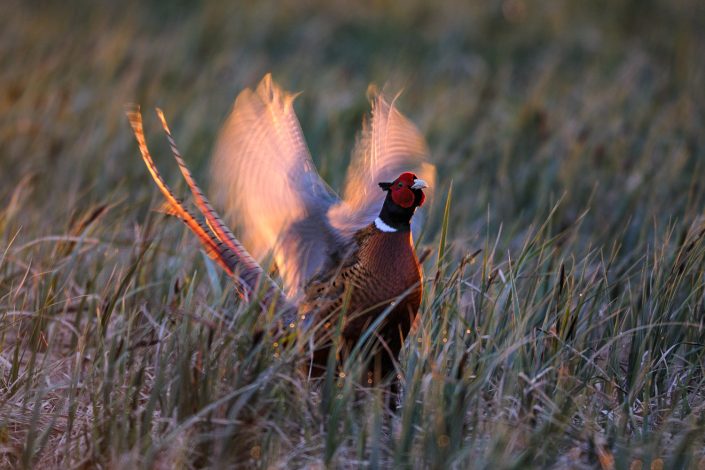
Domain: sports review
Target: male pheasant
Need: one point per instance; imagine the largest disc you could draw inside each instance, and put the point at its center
(353, 255)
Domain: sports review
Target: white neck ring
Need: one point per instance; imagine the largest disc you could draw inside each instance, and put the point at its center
(382, 227)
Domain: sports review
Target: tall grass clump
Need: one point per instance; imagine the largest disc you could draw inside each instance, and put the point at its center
(562, 318)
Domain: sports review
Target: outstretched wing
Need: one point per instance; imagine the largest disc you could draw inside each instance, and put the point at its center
(388, 145)
(265, 179)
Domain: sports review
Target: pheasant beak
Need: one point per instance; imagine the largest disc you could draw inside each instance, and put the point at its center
(419, 184)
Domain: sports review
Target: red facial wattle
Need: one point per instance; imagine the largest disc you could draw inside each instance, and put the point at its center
(402, 195)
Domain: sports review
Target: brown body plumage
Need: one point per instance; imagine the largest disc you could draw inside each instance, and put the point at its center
(374, 283)
(332, 254)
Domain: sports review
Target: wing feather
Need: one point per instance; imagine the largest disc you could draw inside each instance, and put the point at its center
(265, 179)
(388, 145)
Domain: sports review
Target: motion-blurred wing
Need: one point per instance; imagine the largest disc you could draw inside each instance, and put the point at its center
(388, 145)
(265, 179)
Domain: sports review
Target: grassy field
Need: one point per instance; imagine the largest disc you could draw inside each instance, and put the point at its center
(574, 137)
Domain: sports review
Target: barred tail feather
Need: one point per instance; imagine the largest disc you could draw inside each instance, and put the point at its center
(238, 264)
(214, 222)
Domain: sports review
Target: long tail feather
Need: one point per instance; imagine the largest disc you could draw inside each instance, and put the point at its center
(214, 222)
(215, 248)
(218, 241)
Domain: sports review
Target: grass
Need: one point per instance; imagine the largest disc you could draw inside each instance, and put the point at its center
(562, 325)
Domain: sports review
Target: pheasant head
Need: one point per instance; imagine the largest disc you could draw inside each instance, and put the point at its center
(404, 195)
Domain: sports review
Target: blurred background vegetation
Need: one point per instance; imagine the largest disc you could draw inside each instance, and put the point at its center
(592, 110)
(521, 101)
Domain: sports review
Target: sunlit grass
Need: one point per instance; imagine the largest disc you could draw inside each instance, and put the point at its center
(562, 322)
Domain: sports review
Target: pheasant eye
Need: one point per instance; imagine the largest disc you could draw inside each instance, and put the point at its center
(400, 184)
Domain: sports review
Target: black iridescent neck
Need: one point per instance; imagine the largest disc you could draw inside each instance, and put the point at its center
(395, 216)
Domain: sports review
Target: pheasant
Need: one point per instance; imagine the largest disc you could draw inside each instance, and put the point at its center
(351, 256)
